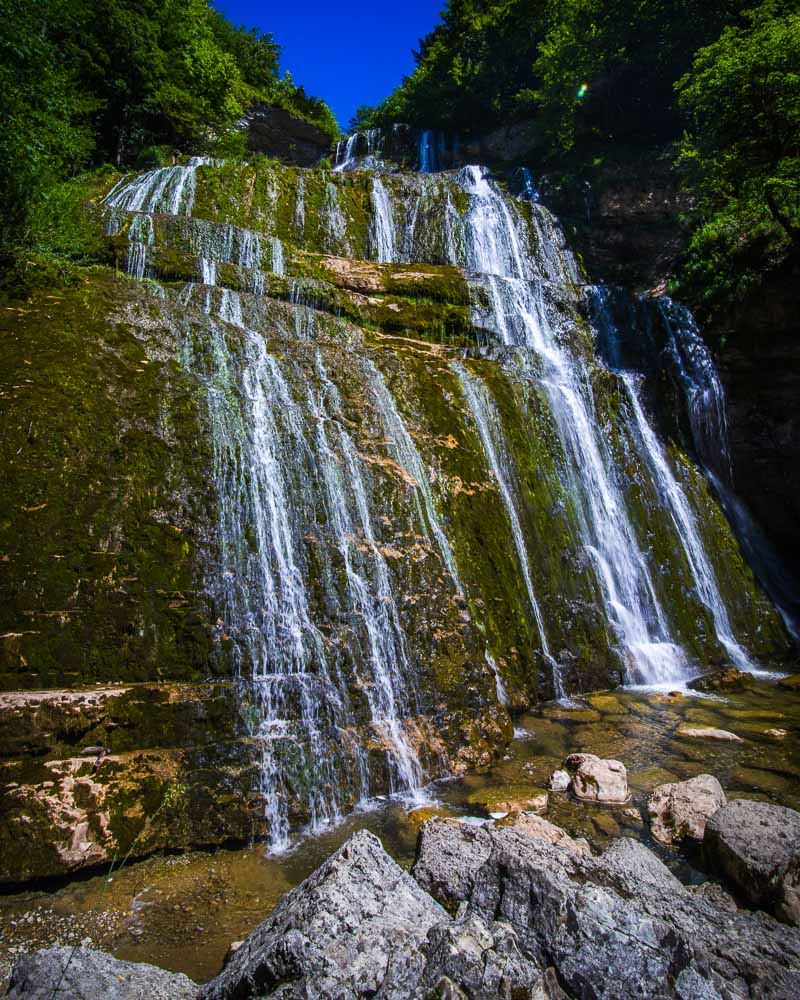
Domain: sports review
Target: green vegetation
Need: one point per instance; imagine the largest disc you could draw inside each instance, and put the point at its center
(128, 82)
(742, 153)
(717, 82)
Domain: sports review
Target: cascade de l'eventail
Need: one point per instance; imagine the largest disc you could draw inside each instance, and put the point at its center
(421, 491)
(404, 499)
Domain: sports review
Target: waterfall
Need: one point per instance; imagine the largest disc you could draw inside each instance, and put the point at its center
(677, 503)
(345, 153)
(490, 430)
(705, 397)
(382, 230)
(321, 603)
(496, 248)
(169, 190)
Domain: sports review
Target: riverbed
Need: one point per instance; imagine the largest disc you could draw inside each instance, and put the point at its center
(182, 911)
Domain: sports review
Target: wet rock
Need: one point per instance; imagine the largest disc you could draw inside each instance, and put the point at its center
(615, 927)
(83, 974)
(560, 781)
(756, 845)
(777, 734)
(356, 926)
(727, 679)
(542, 829)
(790, 683)
(680, 811)
(709, 733)
(597, 780)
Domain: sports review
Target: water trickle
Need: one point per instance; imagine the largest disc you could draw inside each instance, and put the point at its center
(487, 420)
(500, 688)
(408, 457)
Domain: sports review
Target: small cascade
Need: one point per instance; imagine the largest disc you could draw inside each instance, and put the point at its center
(490, 430)
(499, 686)
(346, 153)
(705, 397)
(677, 503)
(382, 233)
(496, 247)
(141, 236)
(334, 221)
(166, 190)
(278, 265)
(390, 686)
(432, 151)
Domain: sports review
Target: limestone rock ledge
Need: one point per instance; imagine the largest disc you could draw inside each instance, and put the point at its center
(96, 774)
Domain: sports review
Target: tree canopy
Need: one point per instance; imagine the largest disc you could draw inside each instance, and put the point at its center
(92, 81)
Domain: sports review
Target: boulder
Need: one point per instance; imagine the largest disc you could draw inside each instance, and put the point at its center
(597, 780)
(790, 683)
(355, 926)
(756, 846)
(681, 810)
(709, 733)
(560, 781)
(727, 679)
(615, 927)
(84, 974)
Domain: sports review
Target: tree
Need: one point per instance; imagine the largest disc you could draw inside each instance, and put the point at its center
(742, 97)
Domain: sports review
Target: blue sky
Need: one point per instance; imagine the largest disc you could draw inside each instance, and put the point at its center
(348, 53)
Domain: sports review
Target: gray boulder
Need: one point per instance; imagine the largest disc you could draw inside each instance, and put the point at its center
(756, 846)
(597, 780)
(615, 927)
(680, 810)
(355, 926)
(84, 974)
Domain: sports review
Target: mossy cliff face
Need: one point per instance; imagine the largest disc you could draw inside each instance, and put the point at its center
(274, 420)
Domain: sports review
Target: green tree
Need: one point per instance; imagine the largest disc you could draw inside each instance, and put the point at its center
(741, 154)
(44, 128)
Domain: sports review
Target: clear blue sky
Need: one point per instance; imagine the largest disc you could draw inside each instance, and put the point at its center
(348, 53)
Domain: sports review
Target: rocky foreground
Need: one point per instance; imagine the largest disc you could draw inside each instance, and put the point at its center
(514, 911)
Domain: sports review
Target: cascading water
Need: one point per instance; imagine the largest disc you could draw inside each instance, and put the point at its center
(677, 503)
(491, 434)
(495, 247)
(313, 590)
(383, 228)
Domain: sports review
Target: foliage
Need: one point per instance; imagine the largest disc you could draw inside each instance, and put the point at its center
(86, 82)
(741, 152)
(44, 132)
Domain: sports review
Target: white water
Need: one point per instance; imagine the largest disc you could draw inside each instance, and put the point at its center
(496, 248)
(382, 230)
(490, 430)
(686, 526)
